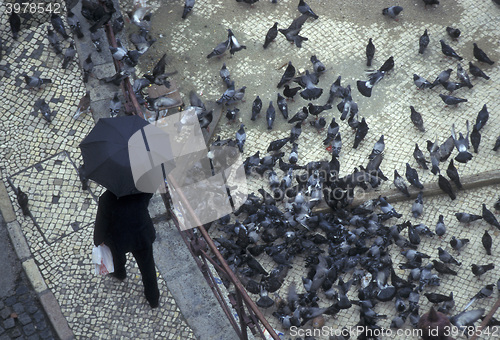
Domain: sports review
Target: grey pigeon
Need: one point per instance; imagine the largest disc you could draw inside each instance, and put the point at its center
(442, 77)
(481, 56)
(32, 81)
(412, 177)
(74, 24)
(482, 117)
(227, 95)
(69, 54)
(476, 71)
(282, 105)
(449, 51)
(288, 75)
(44, 109)
(234, 45)
(452, 173)
(58, 25)
(115, 105)
(445, 185)
(419, 157)
(446, 257)
(423, 42)
(418, 206)
(256, 108)
(224, 74)
(361, 132)
(188, 7)
(452, 86)
(336, 90)
(304, 8)
(95, 36)
(463, 76)
(421, 82)
(271, 34)
(440, 226)
(467, 218)
(454, 33)
(450, 100)
(220, 49)
(400, 184)
(54, 41)
(462, 145)
(485, 292)
(475, 138)
(458, 244)
(318, 124)
(270, 115)
(392, 11)
(311, 92)
(333, 129)
(487, 242)
(489, 217)
(416, 119)
(241, 137)
(370, 52)
(378, 148)
(336, 145)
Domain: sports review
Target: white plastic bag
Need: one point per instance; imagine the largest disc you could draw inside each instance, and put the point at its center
(103, 260)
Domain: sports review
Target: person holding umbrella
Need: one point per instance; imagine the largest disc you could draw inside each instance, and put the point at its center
(124, 225)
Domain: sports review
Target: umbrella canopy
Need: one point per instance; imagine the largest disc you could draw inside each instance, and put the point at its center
(105, 153)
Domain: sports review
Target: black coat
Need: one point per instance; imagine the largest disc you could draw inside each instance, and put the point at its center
(124, 222)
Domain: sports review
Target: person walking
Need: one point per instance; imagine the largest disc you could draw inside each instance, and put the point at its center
(124, 225)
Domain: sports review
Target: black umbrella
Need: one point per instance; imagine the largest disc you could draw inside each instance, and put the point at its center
(105, 153)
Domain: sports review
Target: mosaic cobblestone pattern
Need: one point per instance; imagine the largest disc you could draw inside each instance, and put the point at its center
(40, 157)
(338, 38)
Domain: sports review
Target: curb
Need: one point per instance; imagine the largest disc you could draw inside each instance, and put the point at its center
(44, 295)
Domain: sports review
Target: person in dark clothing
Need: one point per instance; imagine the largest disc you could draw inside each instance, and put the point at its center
(124, 225)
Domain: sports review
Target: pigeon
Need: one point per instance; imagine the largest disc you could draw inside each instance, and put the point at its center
(304, 8)
(467, 218)
(442, 77)
(497, 205)
(256, 108)
(88, 65)
(74, 24)
(418, 206)
(333, 129)
(485, 292)
(462, 145)
(231, 114)
(481, 56)
(446, 257)
(482, 118)
(311, 92)
(421, 82)
(219, 50)
(361, 132)
(115, 105)
(318, 66)
(69, 55)
(300, 116)
(452, 173)
(271, 34)
(117, 25)
(288, 75)
(95, 36)
(440, 226)
(270, 115)
(22, 199)
(497, 144)
(378, 148)
(448, 51)
(400, 183)
(315, 110)
(489, 217)
(443, 268)
(238, 95)
(282, 106)
(278, 144)
(119, 53)
(294, 156)
(387, 65)
(117, 78)
(450, 100)
(188, 7)
(452, 86)
(445, 185)
(292, 32)
(454, 33)
(82, 176)
(15, 24)
(479, 270)
(423, 42)
(365, 87)
(32, 81)
(54, 41)
(412, 177)
(466, 319)
(318, 124)
(336, 146)
(487, 242)
(475, 138)
(241, 137)
(476, 71)
(235, 46)
(336, 90)
(370, 52)
(227, 95)
(463, 76)
(416, 119)
(44, 109)
(431, 2)
(289, 93)
(225, 76)
(438, 298)
(295, 132)
(58, 25)
(83, 105)
(142, 41)
(419, 157)
(392, 11)
(458, 244)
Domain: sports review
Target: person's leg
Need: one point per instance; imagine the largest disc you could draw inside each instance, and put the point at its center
(119, 261)
(146, 263)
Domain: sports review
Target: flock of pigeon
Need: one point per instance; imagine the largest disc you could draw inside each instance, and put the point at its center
(347, 242)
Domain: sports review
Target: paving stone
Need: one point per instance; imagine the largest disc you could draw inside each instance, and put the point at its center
(41, 325)
(15, 333)
(29, 329)
(10, 300)
(21, 289)
(24, 319)
(9, 323)
(18, 308)
(38, 316)
(5, 313)
(33, 337)
(4, 337)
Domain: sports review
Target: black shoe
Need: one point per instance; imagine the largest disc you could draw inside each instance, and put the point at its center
(120, 277)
